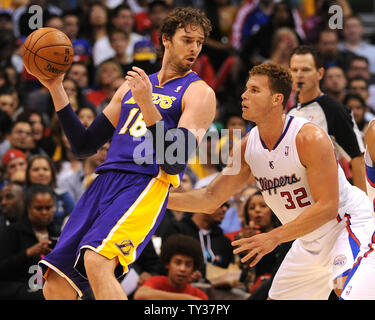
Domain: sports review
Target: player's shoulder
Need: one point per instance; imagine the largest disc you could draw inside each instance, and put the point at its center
(309, 134)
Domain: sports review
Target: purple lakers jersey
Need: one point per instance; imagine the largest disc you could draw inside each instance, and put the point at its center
(131, 146)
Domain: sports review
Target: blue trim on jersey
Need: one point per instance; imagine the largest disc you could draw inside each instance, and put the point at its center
(370, 175)
(281, 137)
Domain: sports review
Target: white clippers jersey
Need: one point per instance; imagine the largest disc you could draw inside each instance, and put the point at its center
(370, 177)
(282, 179)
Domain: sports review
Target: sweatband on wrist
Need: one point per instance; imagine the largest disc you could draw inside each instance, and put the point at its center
(173, 147)
(84, 142)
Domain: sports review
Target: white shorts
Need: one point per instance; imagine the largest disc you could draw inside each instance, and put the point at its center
(360, 284)
(305, 273)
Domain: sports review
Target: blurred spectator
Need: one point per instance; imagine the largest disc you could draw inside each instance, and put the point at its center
(359, 67)
(218, 46)
(54, 21)
(20, 136)
(12, 204)
(119, 41)
(113, 88)
(8, 102)
(145, 57)
(233, 219)
(5, 128)
(216, 247)
(358, 106)
(123, 19)
(78, 182)
(15, 164)
(63, 159)
(107, 73)
(40, 170)
(251, 15)
(284, 41)
(328, 46)
(157, 11)
(360, 86)
(76, 98)
(79, 72)
(43, 143)
(257, 218)
(28, 240)
(334, 82)
(97, 26)
(355, 42)
(6, 20)
(263, 43)
(72, 28)
(86, 115)
(181, 256)
(8, 45)
(4, 78)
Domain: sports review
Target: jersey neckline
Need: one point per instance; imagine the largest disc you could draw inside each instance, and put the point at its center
(286, 127)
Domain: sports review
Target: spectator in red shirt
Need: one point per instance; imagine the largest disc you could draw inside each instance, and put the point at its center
(181, 255)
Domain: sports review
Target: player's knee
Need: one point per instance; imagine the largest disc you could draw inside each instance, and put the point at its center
(57, 288)
(96, 264)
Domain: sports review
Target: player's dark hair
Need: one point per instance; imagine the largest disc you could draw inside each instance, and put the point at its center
(182, 18)
(183, 245)
(305, 49)
(279, 78)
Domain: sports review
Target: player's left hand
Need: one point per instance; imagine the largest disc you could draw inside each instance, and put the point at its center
(258, 246)
(140, 86)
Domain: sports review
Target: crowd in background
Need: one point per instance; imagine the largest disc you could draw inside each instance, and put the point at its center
(41, 180)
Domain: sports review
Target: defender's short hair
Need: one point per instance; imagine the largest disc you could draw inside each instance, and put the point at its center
(279, 78)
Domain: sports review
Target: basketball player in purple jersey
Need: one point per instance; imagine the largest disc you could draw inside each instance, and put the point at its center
(117, 215)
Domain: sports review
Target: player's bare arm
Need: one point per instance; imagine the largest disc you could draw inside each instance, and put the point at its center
(316, 154)
(113, 109)
(199, 107)
(370, 140)
(208, 199)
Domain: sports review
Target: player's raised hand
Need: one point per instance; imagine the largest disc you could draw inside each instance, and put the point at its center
(140, 86)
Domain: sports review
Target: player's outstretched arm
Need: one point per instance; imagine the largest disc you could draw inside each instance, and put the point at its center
(206, 200)
(84, 143)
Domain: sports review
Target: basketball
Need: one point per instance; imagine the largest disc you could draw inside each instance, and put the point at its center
(47, 53)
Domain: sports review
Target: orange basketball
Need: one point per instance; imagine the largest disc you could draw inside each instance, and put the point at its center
(47, 53)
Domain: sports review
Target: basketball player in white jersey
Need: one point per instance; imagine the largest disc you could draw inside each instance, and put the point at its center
(294, 164)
